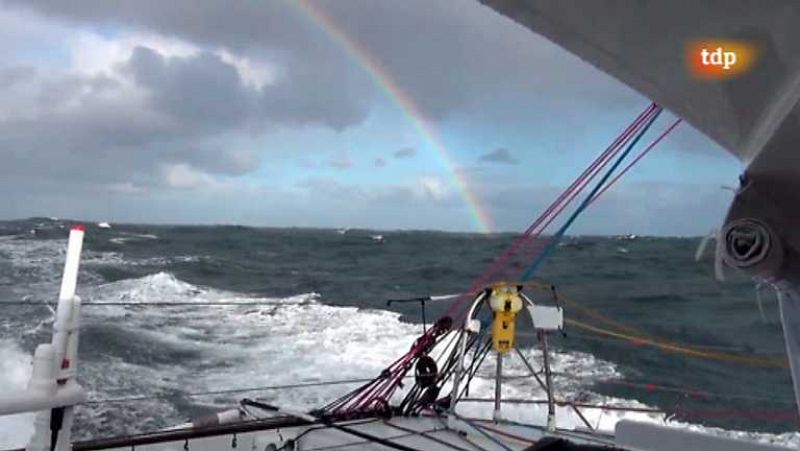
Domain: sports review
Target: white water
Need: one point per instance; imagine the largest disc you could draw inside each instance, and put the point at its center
(14, 374)
(291, 340)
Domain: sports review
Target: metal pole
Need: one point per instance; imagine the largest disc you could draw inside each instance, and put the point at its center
(461, 346)
(424, 327)
(548, 380)
(462, 350)
(498, 385)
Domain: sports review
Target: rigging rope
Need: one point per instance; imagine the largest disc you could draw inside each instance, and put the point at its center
(685, 391)
(222, 392)
(647, 150)
(764, 362)
(555, 208)
(588, 200)
(159, 304)
(636, 337)
(735, 349)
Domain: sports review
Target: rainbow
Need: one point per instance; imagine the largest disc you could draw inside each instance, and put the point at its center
(402, 100)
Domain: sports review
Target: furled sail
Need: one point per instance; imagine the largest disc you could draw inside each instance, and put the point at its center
(755, 115)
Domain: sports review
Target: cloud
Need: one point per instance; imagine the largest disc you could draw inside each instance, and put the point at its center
(432, 188)
(405, 152)
(165, 83)
(182, 176)
(198, 92)
(501, 155)
(149, 111)
(9, 76)
(379, 162)
(436, 38)
(341, 161)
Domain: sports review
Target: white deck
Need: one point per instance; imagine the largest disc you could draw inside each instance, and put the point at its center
(421, 433)
(434, 433)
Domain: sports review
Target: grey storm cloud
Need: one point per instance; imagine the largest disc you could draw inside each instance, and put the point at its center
(90, 128)
(441, 55)
(500, 155)
(12, 75)
(194, 104)
(200, 91)
(207, 91)
(405, 152)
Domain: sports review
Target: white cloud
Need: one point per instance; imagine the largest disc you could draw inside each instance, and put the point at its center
(92, 54)
(432, 187)
(182, 176)
(255, 73)
(126, 188)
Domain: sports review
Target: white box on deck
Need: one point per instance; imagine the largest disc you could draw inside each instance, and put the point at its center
(546, 318)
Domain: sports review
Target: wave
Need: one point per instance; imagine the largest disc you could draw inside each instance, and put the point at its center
(128, 237)
(15, 370)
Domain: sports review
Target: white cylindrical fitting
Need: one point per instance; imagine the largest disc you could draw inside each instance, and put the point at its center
(42, 382)
(43, 374)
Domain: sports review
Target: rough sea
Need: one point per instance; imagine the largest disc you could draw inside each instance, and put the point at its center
(325, 317)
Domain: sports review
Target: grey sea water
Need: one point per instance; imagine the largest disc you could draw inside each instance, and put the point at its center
(325, 317)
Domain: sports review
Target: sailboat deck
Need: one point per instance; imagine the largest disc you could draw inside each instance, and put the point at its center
(409, 433)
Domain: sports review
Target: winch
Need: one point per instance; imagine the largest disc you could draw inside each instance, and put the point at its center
(505, 302)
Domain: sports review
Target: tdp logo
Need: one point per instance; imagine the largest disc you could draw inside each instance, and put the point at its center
(719, 59)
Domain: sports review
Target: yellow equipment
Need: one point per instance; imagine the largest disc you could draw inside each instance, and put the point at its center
(505, 302)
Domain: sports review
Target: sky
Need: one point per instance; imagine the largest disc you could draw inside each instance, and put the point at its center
(421, 114)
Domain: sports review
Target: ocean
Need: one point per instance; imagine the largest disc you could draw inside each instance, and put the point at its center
(325, 317)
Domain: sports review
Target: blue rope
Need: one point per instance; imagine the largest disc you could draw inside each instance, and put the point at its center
(588, 200)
